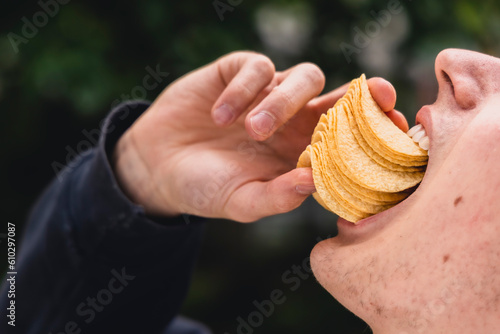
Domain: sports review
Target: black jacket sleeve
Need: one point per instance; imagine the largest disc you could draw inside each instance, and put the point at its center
(91, 261)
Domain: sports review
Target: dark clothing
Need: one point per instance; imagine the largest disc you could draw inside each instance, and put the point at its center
(91, 260)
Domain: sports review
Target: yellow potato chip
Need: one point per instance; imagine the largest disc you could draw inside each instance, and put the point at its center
(362, 163)
(360, 167)
(400, 166)
(324, 192)
(379, 131)
(341, 192)
(370, 195)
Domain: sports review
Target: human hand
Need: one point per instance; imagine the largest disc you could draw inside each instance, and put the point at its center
(203, 147)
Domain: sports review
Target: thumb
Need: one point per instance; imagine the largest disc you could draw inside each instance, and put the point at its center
(398, 119)
(260, 199)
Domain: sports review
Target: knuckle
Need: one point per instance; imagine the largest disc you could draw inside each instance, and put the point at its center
(313, 74)
(239, 54)
(263, 65)
(257, 60)
(244, 92)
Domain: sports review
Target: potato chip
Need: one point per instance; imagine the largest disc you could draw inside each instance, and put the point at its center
(381, 134)
(360, 167)
(326, 192)
(400, 166)
(362, 163)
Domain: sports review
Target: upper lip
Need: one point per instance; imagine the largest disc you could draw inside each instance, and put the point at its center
(424, 117)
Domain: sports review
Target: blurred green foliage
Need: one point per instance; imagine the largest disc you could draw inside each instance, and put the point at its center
(66, 78)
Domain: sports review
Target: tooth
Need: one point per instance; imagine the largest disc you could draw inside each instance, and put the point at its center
(414, 130)
(419, 135)
(424, 143)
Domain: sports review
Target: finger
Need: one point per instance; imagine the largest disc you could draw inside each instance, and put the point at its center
(246, 74)
(260, 199)
(304, 82)
(383, 93)
(398, 119)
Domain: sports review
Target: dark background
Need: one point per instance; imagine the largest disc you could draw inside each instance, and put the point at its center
(65, 77)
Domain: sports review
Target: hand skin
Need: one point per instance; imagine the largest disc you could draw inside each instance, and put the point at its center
(202, 147)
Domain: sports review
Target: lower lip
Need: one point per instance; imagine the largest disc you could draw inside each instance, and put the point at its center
(349, 231)
(367, 227)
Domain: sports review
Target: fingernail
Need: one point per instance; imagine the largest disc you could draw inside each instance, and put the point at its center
(262, 123)
(224, 114)
(305, 189)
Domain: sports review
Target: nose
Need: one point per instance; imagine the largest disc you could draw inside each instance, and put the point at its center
(466, 76)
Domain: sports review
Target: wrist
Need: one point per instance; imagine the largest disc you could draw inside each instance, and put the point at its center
(135, 177)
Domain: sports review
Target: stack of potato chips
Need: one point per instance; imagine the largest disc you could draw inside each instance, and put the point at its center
(362, 163)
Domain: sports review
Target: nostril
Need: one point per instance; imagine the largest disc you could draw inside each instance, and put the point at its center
(464, 89)
(447, 79)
